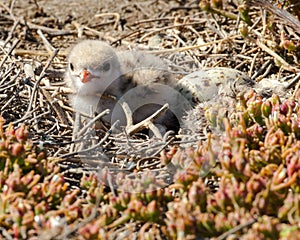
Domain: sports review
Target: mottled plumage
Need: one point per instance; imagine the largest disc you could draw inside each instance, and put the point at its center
(140, 79)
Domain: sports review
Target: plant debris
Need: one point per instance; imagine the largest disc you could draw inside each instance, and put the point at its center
(234, 175)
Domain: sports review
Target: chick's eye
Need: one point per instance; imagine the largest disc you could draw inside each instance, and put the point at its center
(106, 66)
(71, 66)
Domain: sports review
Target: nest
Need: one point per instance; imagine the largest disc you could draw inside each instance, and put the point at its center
(34, 42)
